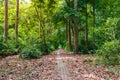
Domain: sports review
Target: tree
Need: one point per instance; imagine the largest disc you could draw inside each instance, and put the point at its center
(16, 23)
(94, 20)
(75, 29)
(69, 34)
(5, 35)
(68, 28)
(39, 12)
(86, 28)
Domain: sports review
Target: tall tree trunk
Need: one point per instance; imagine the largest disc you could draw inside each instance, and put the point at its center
(69, 35)
(75, 29)
(86, 28)
(68, 31)
(5, 35)
(16, 23)
(94, 21)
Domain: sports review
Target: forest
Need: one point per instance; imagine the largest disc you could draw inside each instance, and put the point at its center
(59, 40)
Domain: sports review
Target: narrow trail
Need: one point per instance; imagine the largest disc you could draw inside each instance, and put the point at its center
(63, 71)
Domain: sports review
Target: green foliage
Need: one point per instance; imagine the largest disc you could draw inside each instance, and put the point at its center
(88, 60)
(34, 39)
(107, 79)
(30, 52)
(113, 70)
(110, 52)
(9, 48)
(90, 48)
(2, 73)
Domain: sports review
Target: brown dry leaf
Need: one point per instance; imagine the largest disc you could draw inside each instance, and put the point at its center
(45, 68)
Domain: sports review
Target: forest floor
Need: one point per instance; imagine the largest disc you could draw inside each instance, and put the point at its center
(60, 65)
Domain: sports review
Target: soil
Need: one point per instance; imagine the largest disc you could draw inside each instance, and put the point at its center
(59, 65)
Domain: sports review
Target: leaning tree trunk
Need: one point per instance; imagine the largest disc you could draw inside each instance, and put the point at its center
(5, 35)
(16, 23)
(75, 30)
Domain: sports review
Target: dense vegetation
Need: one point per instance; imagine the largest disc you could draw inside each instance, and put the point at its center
(36, 28)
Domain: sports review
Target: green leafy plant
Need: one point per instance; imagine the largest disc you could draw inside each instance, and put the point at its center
(1, 73)
(9, 48)
(107, 79)
(110, 52)
(30, 52)
(89, 60)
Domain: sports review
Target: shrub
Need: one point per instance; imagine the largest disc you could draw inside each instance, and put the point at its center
(30, 52)
(90, 48)
(110, 52)
(1, 47)
(9, 48)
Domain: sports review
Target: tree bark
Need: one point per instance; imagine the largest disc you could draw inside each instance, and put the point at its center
(5, 35)
(17, 17)
(75, 29)
(86, 28)
(94, 21)
(68, 29)
(69, 35)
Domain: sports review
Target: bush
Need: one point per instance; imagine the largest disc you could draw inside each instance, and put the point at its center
(10, 48)
(26, 49)
(110, 52)
(1, 47)
(30, 52)
(87, 49)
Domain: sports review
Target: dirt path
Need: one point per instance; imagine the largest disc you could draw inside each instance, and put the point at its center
(57, 66)
(62, 68)
(78, 67)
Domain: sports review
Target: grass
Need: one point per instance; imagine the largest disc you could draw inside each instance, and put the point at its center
(1, 73)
